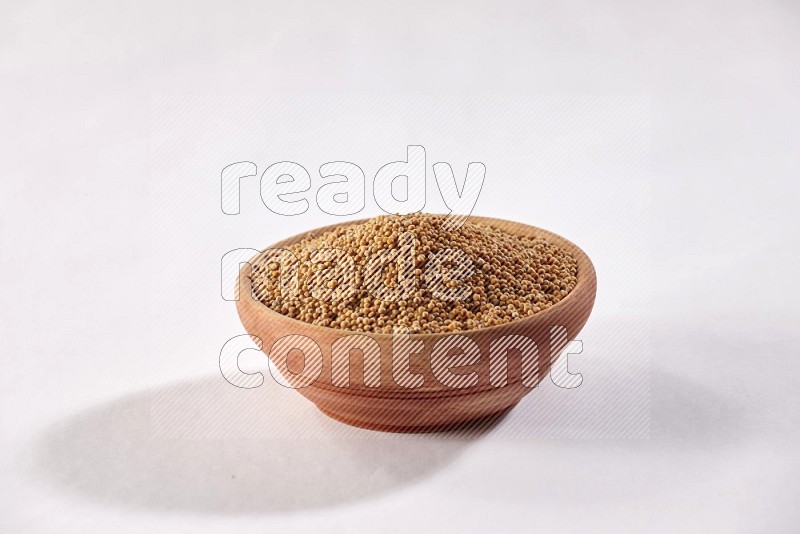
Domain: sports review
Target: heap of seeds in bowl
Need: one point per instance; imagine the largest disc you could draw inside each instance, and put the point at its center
(413, 271)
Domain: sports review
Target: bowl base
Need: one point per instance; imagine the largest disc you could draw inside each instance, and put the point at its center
(469, 426)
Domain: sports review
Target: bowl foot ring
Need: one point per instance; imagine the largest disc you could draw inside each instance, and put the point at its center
(471, 426)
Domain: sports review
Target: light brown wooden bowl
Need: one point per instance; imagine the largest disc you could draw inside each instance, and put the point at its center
(432, 406)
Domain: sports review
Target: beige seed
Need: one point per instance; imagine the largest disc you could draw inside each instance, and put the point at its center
(512, 277)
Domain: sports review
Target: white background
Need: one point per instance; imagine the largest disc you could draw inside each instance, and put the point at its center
(662, 138)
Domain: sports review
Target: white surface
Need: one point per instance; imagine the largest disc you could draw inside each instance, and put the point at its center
(92, 350)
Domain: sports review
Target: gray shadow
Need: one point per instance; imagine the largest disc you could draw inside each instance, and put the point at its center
(637, 410)
(689, 412)
(206, 446)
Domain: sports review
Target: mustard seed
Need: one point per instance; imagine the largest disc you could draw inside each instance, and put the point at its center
(424, 288)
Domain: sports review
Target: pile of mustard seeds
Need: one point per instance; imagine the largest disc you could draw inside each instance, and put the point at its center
(410, 271)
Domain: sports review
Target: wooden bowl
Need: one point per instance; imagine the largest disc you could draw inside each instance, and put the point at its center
(395, 407)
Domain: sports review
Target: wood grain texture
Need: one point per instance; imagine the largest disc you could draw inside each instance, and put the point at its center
(392, 407)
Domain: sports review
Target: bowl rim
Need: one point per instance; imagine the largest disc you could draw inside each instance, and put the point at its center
(586, 276)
